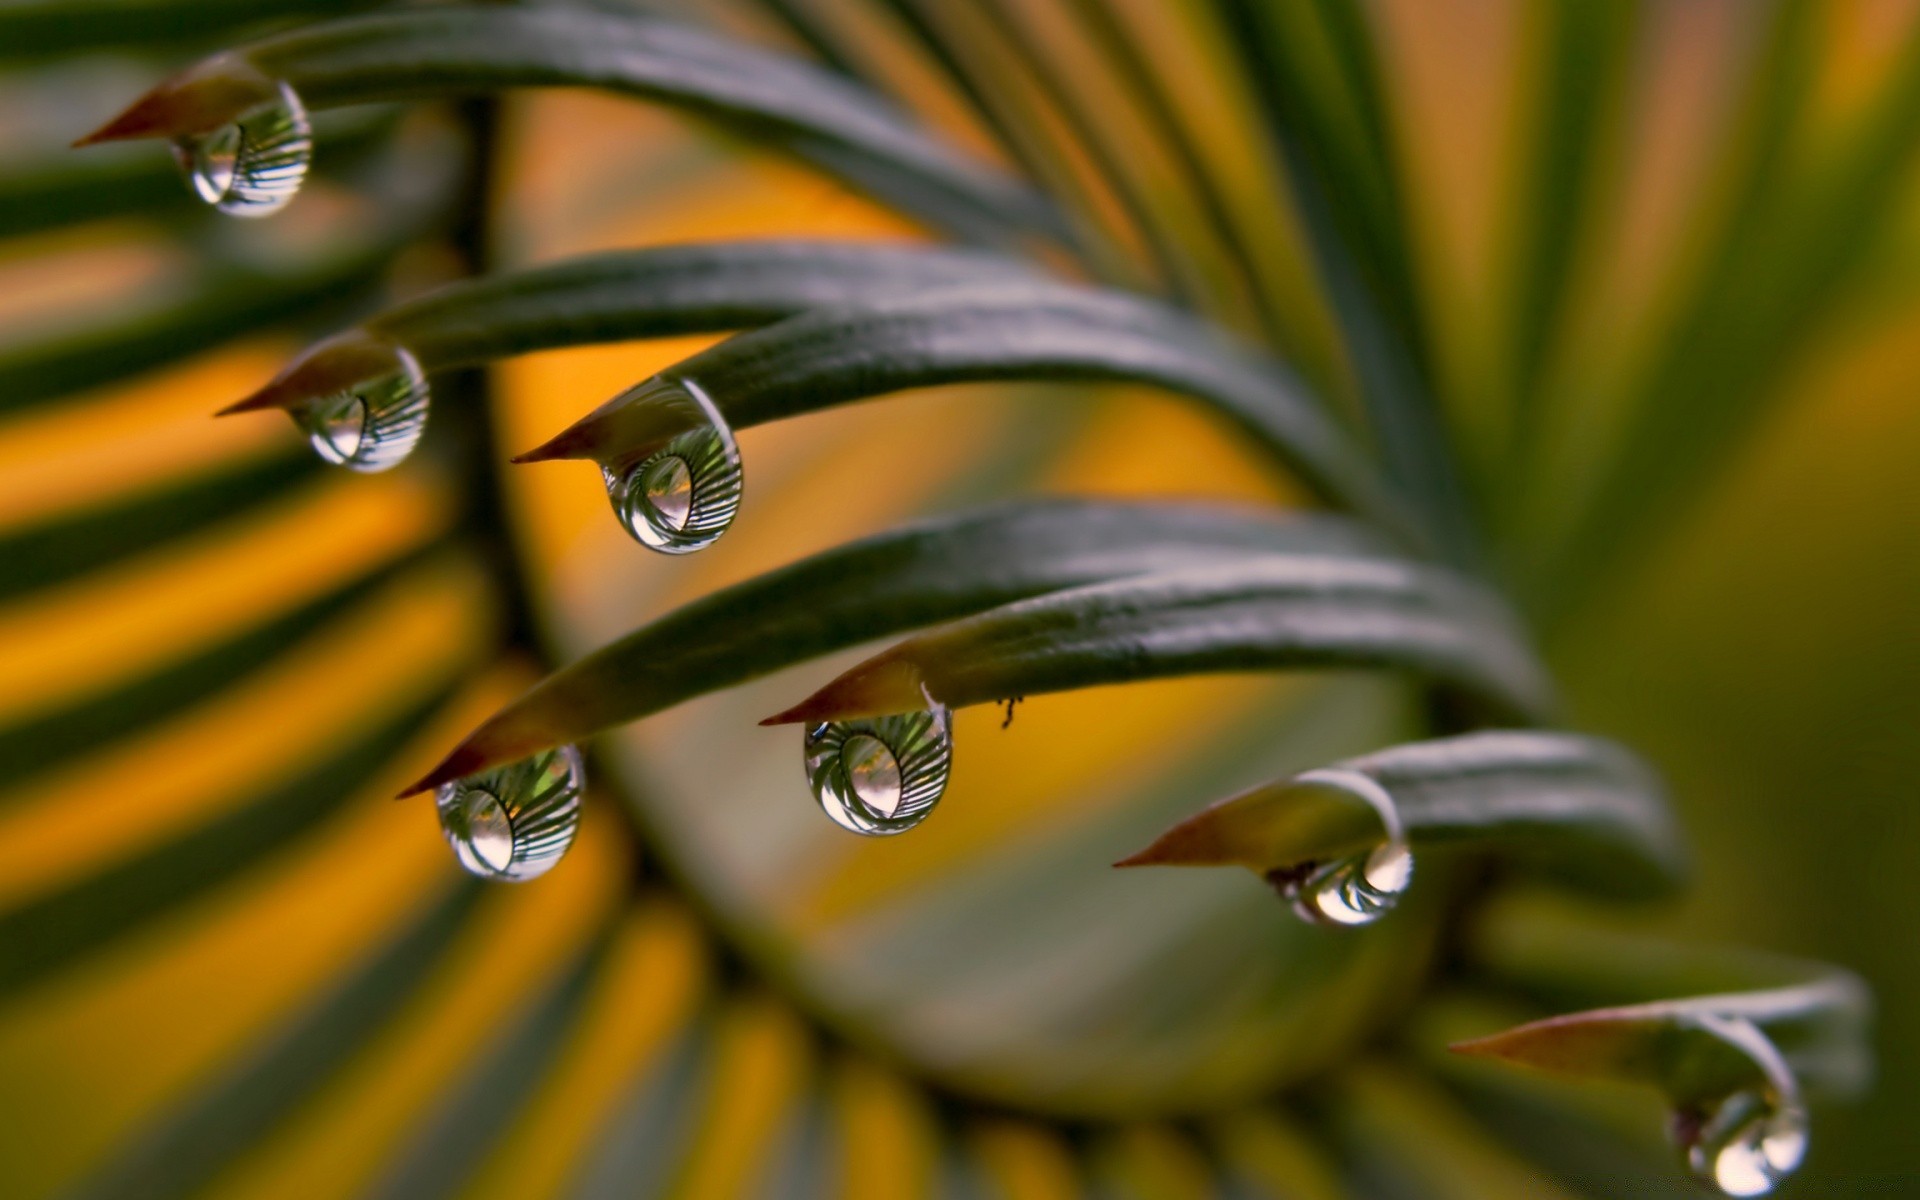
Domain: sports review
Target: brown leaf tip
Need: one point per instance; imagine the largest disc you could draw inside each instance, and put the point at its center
(201, 98)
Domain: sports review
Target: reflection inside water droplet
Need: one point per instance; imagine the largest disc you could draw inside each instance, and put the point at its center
(1748, 1144)
(514, 822)
(873, 772)
(1356, 890)
(253, 166)
(340, 428)
(481, 834)
(881, 775)
(683, 495)
(667, 490)
(374, 425)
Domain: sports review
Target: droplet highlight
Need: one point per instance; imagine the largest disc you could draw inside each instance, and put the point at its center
(514, 822)
(1748, 1144)
(879, 776)
(1352, 891)
(252, 166)
(1356, 889)
(373, 425)
(683, 495)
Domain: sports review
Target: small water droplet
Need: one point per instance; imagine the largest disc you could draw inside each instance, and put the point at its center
(1356, 890)
(253, 166)
(371, 426)
(1748, 1144)
(683, 495)
(881, 775)
(514, 822)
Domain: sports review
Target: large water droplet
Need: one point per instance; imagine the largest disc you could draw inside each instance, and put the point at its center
(1356, 890)
(514, 822)
(683, 495)
(252, 166)
(373, 425)
(1748, 1144)
(881, 775)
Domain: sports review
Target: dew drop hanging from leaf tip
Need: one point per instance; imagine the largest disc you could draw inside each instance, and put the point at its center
(515, 822)
(253, 165)
(880, 776)
(681, 496)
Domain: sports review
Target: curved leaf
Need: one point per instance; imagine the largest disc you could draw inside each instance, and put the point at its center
(909, 577)
(1031, 331)
(1582, 808)
(1816, 1014)
(458, 51)
(1674, 1045)
(35, 28)
(655, 292)
(1272, 612)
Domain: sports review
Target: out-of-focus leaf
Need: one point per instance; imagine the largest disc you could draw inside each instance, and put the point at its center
(1012, 129)
(1036, 331)
(42, 28)
(189, 1146)
(48, 740)
(452, 51)
(1673, 1045)
(1266, 1155)
(219, 304)
(639, 1148)
(1588, 46)
(1794, 240)
(897, 580)
(1403, 1137)
(75, 543)
(655, 292)
(1312, 63)
(1815, 1014)
(1580, 808)
(1268, 613)
(54, 930)
(1144, 86)
(452, 1140)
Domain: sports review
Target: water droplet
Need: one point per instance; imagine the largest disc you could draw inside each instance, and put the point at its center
(252, 166)
(1356, 890)
(1748, 1144)
(373, 425)
(881, 775)
(683, 495)
(514, 822)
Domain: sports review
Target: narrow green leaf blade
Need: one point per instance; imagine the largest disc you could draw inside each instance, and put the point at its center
(1579, 808)
(451, 51)
(1269, 613)
(1024, 331)
(906, 578)
(659, 291)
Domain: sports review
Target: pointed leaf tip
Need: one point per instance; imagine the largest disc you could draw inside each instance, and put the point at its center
(463, 761)
(266, 397)
(201, 98)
